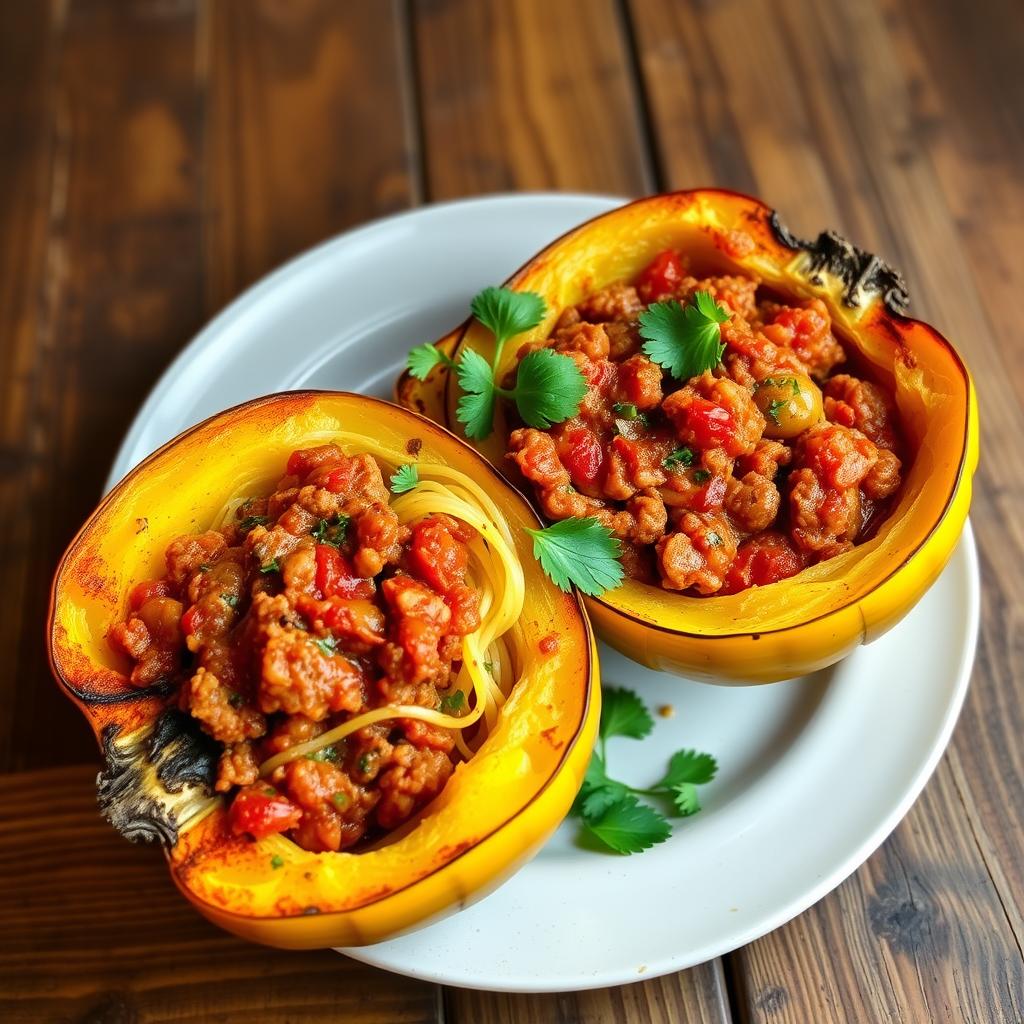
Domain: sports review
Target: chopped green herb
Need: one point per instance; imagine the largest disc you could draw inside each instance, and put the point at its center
(205, 567)
(331, 531)
(775, 406)
(489, 667)
(327, 644)
(366, 762)
(271, 566)
(269, 791)
(626, 410)
(686, 341)
(713, 539)
(277, 861)
(328, 754)
(231, 600)
(610, 809)
(405, 478)
(235, 699)
(701, 476)
(453, 702)
(579, 552)
(340, 800)
(680, 457)
(250, 521)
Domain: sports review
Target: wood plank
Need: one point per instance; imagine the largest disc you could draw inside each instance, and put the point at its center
(308, 129)
(530, 95)
(862, 134)
(118, 194)
(94, 930)
(697, 996)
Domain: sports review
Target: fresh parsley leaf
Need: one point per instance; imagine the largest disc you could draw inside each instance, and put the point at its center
(626, 410)
(271, 566)
(684, 796)
(628, 826)
(366, 762)
(507, 313)
(452, 703)
(489, 667)
(701, 476)
(623, 713)
(595, 802)
(277, 861)
(405, 478)
(680, 457)
(331, 531)
(327, 644)
(579, 552)
(250, 521)
(688, 766)
(423, 358)
(476, 406)
(686, 341)
(231, 600)
(549, 388)
(340, 800)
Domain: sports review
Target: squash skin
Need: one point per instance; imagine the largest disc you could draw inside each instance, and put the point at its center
(810, 621)
(493, 814)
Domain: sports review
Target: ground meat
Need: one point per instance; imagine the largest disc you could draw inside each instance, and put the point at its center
(857, 403)
(752, 502)
(590, 339)
(300, 677)
(639, 383)
(334, 808)
(762, 559)
(152, 637)
(824, 520)
(884, 476)
(237, 767)
(841, 457)
(698, 555)
(617, 302)
(421, 618)
(715, 412)
(186, 554)
(738, 294)
(623, 340)
(766, 459)
(413, 779)
(807, 331)
(222, 711)
(290, 732)
(380, 537)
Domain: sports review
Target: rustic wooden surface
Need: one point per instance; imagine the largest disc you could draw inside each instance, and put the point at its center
(159, 155)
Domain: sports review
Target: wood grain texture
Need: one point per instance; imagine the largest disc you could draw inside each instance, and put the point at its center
(95, 931)
(862, 135)
(308, 129)
(527, 95)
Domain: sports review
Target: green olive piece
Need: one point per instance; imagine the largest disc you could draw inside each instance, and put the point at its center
(790, 404)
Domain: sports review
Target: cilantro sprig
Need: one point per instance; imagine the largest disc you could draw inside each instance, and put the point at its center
(579, 552)
(611, 810)
(548, 385)
(405, 478)
(685, 340)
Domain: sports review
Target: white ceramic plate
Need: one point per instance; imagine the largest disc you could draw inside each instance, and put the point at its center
(814, 773)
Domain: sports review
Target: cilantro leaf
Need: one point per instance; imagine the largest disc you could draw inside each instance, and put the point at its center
(677, 458)
(595, 802)
(423, 358)
(579, 552)
(405, 478)
(452, 703)
(327, 644)
(331, 531)
(623, 713)
(549, 388)
(689, 766)
(272, 566)
(476, 406)
(506, 312)
(629, 826)
(250, 521)
(686, 341)
(277, 861)
(626, 410)
(684, 796)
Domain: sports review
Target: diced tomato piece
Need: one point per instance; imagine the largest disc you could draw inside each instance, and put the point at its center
(261, 811)
(142, 592)
(661, 277)
(710, 497)
(436, 556)
(582, 455)
(762, 559)
(188, 620)
(302, 462)
(335, 576)
(712, 426)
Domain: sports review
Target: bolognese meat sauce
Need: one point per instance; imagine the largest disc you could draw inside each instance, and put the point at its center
(739, 477)
(314, 606)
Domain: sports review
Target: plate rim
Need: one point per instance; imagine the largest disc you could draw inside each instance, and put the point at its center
(269, 283)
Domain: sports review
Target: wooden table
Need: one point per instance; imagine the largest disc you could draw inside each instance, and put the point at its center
(158, 156)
